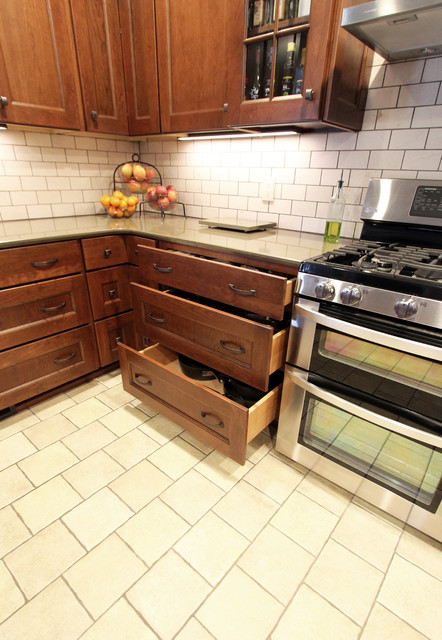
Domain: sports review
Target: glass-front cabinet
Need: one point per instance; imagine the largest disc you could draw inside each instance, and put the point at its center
(299, 66)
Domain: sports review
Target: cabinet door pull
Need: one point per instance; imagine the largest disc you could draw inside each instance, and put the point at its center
(231, 349)
(241, 292)
(112, 293)
(48, 309)
(219, 425)
(3, 101)
(118, 339)
(94, 115)
(138, 377)
(159, 320)
(107, 252)
(61, 360)
(46, 263)
(162, 269)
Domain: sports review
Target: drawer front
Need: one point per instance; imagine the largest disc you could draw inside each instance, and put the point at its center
(31, 369)
(132, 243)
(153, 377)
(109, 291)
(37, 310)
(103, 252)
(239, 347)
(262, 293)
(39, 262)
(110, 332)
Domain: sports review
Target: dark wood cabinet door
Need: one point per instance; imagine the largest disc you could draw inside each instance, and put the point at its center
(38, 69)
(100, 59)
(193, 42)
(137, 20)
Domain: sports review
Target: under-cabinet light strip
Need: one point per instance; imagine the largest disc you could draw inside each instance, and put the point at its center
(238, 135)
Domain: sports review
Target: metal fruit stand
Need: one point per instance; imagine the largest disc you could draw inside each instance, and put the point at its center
(144, 205)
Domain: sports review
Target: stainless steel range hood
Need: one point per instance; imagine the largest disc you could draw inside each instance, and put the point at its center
(397, 29)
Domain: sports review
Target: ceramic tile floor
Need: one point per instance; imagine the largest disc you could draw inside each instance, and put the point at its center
(116, 524)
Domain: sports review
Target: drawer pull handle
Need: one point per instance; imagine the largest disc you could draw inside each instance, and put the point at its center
(241, 292)
(219, 425)
(159, 320)
(138, 377)
(231, 349)
(107, 252)
(112, 293)
(61, 360)
(46, 263)
(48, 309)
(162, 269)
(118, 339)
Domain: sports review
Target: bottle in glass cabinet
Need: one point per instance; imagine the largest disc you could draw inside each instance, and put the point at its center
(268, 70)
(255, 88)
(299, 74)
(288, 70)
(258, 14)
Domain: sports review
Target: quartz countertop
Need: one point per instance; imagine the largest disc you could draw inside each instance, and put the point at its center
(283, 245)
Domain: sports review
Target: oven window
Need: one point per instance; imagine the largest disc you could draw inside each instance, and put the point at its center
(411, 469)
(400, 378)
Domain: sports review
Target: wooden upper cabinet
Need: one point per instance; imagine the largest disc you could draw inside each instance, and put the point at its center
(330, 69)
(38, 69)
(193, 43)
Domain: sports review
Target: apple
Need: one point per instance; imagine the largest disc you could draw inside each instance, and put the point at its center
(161, 191)
(126, 171)
(133, 186)
(150, 173)
(151, 194)
(172, 194)
(139, 172)
(143, 186)
(164, 202)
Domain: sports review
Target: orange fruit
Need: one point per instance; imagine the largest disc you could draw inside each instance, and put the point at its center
(132, 201)
(119, 213)
(118, 194)
(123, 203)
(111, 210)
(105, 200)
(115, 202)
(131, 208)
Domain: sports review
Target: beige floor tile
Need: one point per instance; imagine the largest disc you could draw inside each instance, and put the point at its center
(382, 624)
(93, 473)
(221, 470)
(97, 517)
(168, 595)
(43, 558)
(53, 613)
(194, 630)
(193, 440)
(49, 431)
(161, 429)
(104, 574)
(89, 439)
(274, 478)
(314, 619)
(141, 484)
(12, 531)
(176, 457)
(211, 547)
(86, 391)
(259, 447)
(360, 531)
(325, 493)
(347, 581)
(11, 597)
(110, 379)
(54, 405)
(123, 420)
(420, 550)
(86, 412)
(144, 408)
(13, 485)
(115, 397)
(131, 448)
(16, 423)
(239, 608)
(153, 531)
(305, 522)
(42, 506)
(413, 595)
(246, 509)
(181, 496)
(14, 449)
(276, 563)
(47, 463)
(120, 622)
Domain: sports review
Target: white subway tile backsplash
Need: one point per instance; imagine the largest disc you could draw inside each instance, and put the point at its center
(67, 169)
(318, 194)
(304, 209)
(23, 198)
(37, 139)
(414, 95)
(71, 196)
(8, 183)
(403, 73)
(422, 160)
(313, 142)
(308, 176)
(297, 159)
(273, 159)
(394, 118)
(427, 116)
(341, 141)
(13, 213)
(293, 191)
(55, 183)
(433, 70)
(52, 154)
(383, 98)
(229, 188)
(324, 159)
(283, 175)
(40, 211)
(373, 140)
(434, 140)
(61, 210)
(237, 202)
(385, 159)
(85, 142)
(64, 141)
(17, 168)
(77, 155)
(408, 139)
(353, 159)
(48, 197)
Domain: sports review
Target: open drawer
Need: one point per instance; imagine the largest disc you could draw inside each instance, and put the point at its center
(244, 349)
(153, 376)
(266, 294)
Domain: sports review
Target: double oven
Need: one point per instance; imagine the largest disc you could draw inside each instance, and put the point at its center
(362, 393)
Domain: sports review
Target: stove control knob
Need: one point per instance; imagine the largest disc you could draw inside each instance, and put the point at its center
(350, 295)
(405, 308)
(324, 290)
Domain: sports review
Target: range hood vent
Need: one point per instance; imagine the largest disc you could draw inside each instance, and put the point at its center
(397, 29)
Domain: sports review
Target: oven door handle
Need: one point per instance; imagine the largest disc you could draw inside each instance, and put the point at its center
(378, 337)
(299, 378)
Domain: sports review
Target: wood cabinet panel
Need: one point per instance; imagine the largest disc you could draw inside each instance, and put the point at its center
(132, 243)
(33, 368)
(110, 332)
(33, 311)
(38, 69)
(103, 252)
(109, 291)
(39, 262)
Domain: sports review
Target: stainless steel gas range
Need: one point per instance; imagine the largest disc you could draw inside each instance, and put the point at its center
(362, 393)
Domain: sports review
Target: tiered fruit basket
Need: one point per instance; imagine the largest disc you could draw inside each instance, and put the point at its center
(138, 186)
